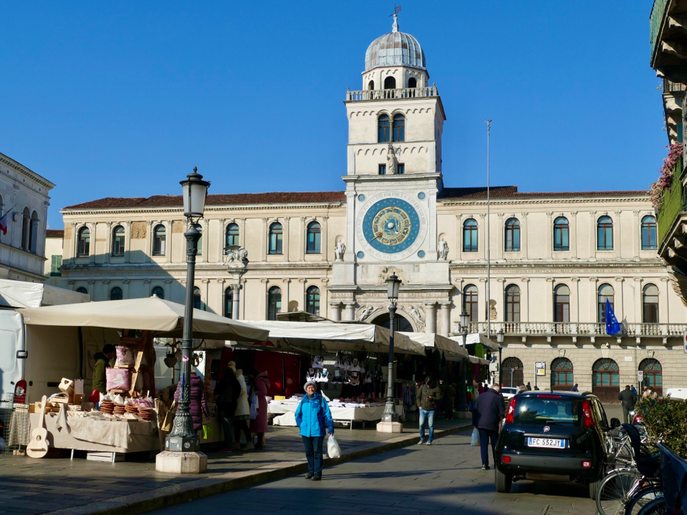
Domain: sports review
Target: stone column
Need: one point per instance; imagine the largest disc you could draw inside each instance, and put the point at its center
(525, 300)
(430, 317)
(168, 288)
(445, 318)
(350, 311)
(617, 234)
(592, 235)
(525, 236)
(550, 286)
(286, 242)
(637, 239)
(572, 234)
(549, 231)
(300, 255)
(146, 287)
(127, 244)
(335, 311)
(324, 238)
(285, 295)
(108, 250)
(575, 304)
(106, 289)
(93, 249)
(666, 305)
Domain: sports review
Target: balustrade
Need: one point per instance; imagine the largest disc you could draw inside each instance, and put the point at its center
(574, 329)
(386, 94)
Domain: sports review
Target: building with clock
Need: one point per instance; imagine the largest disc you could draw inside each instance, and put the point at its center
(555, 258)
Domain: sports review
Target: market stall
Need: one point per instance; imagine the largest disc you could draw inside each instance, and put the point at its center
(129, 415)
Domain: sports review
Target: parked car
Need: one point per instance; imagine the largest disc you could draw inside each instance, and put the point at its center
(509, 392)
(552, 436)
(676, 393)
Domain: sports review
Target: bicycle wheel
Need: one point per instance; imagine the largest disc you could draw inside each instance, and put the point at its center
(643, 497)
(655, 507)
(614, 492)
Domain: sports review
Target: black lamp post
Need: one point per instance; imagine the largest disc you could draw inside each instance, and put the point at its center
(462, 394)
(393, 283)
(499, 340)
(183, 438)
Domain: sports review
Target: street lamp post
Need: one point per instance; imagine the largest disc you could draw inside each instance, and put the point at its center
(462, 399)
(389, 423)
(182, 443)
(499, 340)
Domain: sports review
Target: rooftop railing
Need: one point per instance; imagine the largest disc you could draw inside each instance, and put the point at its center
(387, 94)
(574, 329)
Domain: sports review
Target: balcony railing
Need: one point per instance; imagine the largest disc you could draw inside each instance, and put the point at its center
(386, 94)
(673, 87)
(574, 329)
(656, 21)
(672, 204)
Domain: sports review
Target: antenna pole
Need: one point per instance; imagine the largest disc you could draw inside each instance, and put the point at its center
(488, 229)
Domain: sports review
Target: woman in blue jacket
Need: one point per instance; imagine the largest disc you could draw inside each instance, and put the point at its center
(311, 416)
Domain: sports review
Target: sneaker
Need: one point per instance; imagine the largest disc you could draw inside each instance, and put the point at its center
(317, 477)
(421, 442)
(309, 475)
(429, 442)
(485, 467)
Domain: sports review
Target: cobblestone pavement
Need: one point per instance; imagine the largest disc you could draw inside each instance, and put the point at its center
(443, 478)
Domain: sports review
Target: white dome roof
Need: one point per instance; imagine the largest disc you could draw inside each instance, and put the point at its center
(395, 49)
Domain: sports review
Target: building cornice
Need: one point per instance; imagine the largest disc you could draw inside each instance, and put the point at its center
(20, 168)
(541, 200)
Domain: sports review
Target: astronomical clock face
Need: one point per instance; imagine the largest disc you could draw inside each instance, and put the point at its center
(391, 227)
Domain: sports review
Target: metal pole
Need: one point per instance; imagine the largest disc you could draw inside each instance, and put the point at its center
(183, 438)
(389, 410)
(500, 373)
(488, 229)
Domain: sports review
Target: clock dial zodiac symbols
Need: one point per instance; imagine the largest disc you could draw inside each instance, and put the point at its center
(391, 225)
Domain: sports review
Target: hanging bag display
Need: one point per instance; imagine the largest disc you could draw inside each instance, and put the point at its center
(253, 406)
(474, 440)
(333, 449)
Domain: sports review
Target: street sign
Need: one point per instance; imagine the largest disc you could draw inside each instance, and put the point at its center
(640, 375)
(540, 368)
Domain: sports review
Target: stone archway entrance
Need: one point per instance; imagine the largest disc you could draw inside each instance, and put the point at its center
(512, 372)
(606, 380)
(400, 322)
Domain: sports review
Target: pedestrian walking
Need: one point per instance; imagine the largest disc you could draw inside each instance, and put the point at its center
(427, 397)
(261, 384)
(575, 388)
(312, 418)
(634, 390)
(486, 417)
(242, 413)
(198, 404)
(226, 396)
(529, 386)
(628, 401)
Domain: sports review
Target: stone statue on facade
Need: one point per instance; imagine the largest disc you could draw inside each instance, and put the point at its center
(366, 312)
(443, 249)
(339, 250)
(237, 258)
(417, 314)
(391, 161)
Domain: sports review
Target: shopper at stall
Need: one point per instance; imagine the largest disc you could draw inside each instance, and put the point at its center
(312, 417)
(242, 413)
(102, 362)
(198, 405)
(427, 397)
(226, 395)
(486, 417)
(261, 384)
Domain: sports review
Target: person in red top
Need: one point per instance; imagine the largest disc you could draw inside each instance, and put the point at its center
(261, 384)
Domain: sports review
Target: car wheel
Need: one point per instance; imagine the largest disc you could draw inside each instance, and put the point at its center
(503, 481)
(594, 488)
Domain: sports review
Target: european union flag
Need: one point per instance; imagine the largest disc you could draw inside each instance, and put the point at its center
(612, 325)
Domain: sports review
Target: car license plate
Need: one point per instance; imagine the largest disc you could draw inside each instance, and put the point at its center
(546, 442)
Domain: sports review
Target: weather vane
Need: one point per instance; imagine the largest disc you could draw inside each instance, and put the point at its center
(397, 9)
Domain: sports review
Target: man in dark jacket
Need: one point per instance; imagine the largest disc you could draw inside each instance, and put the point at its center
(628, 401)
(226, 394)
(486, 417)
(102, 362)
(427, 397)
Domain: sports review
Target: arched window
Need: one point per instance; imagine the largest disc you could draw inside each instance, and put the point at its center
(606, 380)
(652, 375)
(412, 82)
(470, 301)
(512, 372)
(83, 290)
(83, 245)
(606, 293)
(513, 303)
(159, 292)
(313, 244)
(512, 234)
(390, 83)
(159, 240)
(33, 233)
(312, 300)
(273, 303)
(650, 304)
(197, 302)
(232, 236)
(649, 233)
(561, 231)
(604, 233)
(561, 374)
(229, 302)
(25, 228)
(470, 235)
(118, 241)
(371, 85)
(275, 237)
(399, 127)
(561, 303)
(383, 129)
(116, 293)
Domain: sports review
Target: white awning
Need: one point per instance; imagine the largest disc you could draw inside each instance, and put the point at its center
(474, 338)
(20, 294)
(450, 347)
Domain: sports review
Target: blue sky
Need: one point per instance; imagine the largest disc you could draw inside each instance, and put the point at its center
(123, 99)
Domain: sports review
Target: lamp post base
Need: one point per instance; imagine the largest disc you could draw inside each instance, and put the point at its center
(181, 462)
(182, 443)
(389, 427)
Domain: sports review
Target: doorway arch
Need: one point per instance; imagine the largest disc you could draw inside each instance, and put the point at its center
(562, 374)
(512, 372)
(606, 380)
(401, 323)
(653, 375)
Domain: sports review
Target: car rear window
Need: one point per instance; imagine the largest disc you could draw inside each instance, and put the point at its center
(547, 410)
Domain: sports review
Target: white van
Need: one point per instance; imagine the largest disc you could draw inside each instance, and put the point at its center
(33, 359)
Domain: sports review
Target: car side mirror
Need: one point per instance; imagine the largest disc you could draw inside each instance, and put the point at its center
(615, 423)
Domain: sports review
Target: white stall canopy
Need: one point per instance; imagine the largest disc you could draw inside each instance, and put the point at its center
(451, 349)
(474, 338)
(300, 336)
(20, 294)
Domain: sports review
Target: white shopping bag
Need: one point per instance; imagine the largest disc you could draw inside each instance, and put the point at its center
(333, 449)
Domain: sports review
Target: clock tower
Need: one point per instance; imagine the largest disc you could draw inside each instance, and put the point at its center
(392, 182)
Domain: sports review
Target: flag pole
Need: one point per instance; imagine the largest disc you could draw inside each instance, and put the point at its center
(488, 306)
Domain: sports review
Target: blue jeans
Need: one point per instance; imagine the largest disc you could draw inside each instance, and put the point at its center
(313, 451)
(484, 436)
(427, 415)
